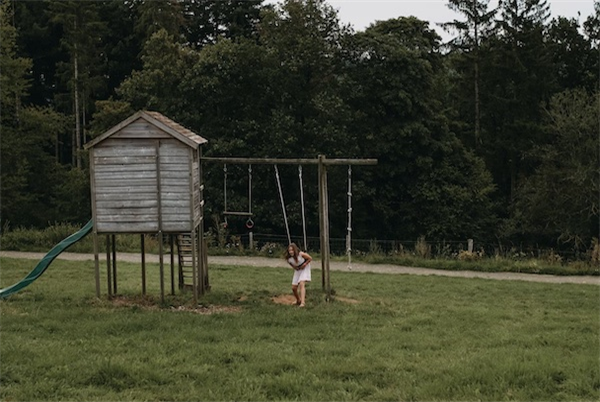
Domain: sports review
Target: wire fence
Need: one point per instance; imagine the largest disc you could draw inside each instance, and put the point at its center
(420, 247)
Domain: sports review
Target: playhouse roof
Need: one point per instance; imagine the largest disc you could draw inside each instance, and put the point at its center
(162, 122)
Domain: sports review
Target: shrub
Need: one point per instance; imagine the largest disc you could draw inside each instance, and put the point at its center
(464, 255)
(595, 252)
(422, 249)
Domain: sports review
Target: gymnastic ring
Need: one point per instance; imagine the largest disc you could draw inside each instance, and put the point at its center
(249, 223)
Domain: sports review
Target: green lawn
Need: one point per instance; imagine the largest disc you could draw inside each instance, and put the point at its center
(406, 338)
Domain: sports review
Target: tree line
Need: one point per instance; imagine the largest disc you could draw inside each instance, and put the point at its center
(493, 135)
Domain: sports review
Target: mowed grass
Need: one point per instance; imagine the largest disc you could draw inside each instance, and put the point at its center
(404, 338)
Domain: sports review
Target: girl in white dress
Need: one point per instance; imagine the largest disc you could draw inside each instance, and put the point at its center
(300, 261)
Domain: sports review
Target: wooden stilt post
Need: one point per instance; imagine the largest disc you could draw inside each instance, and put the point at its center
(321, 220)
(194, 266)
(162, 266)
(171, 245)
(108, 272)
(114, 263)
(198, 246)
(143, 251)
(179, 266)
(324, 226)
(96, 264)
(205, 263)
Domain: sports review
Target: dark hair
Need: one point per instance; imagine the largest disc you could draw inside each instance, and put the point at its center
(296, 251)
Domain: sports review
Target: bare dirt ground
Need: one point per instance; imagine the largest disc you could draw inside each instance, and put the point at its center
(334, 266)
(291, 300)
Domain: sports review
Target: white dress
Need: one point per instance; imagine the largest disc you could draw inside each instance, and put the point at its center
(300, 275)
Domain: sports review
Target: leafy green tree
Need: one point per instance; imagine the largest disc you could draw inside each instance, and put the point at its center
(157, 15)
(591, 28)
(29, 173)
(466, 44)
(274, 96)
(13, 88)
(560, 200)
(122, 44)
(303, 40)
(38, 40)
(14, 82)
(519, 79)
(575, 62)
(207, 21)
(159, 84)
(83, 31)
(108, 114)
(426, 182)
(592, 25)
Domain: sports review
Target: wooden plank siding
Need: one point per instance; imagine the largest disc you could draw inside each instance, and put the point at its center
(175, 183)
(126, 185)
(125, 193)
(145, 178)
(141, 129)
(196, 195)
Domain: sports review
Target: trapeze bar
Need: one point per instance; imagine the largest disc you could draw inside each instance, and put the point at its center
(237, 213)
(276, 161)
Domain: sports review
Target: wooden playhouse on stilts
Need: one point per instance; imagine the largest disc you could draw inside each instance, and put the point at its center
(146, 178)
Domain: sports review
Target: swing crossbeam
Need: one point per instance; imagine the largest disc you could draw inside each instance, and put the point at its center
(283, 161)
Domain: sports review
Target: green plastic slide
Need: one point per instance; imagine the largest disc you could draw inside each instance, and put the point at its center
(41, 267)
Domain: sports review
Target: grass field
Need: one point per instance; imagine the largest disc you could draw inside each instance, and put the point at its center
(386, 337)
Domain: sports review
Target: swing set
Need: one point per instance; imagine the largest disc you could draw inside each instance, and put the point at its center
(226, 212)
(322, 163)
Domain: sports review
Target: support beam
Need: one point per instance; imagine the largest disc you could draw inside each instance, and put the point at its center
(114, 263)
(283, 161)
(160, 223)
(108, 268)
(171, 246)
(96, 263)
(194, 265)
(161, 259)
(324, 227)
(143, 251)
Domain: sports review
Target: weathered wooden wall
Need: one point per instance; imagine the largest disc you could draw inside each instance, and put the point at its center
(144, 180)
(180, 193)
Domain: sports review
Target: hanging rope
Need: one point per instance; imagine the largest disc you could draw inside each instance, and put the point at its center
(287, 229)
(302, 202)
(250, 222)
(349, 235)
(249, 188)
(225, 187)
(225, 194)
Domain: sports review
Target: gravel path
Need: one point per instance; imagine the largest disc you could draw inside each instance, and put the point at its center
(334, 265)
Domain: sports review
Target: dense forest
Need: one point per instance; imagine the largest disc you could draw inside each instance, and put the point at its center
(492, 136)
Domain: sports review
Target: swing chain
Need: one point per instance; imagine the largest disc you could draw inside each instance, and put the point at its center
(349, 228)
(250, 222)
(287, 229)
(225, 186)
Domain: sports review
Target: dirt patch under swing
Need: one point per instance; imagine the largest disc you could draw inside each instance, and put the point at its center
(291, 300)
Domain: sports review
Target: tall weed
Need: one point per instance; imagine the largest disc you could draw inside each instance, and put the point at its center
(422, 249)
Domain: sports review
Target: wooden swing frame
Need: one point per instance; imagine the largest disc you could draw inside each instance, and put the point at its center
(322, 163)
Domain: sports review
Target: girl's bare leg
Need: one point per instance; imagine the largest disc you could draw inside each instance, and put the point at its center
(295, 290)
(302, 293)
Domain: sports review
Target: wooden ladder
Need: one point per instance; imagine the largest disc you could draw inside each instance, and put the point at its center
(184, 249)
